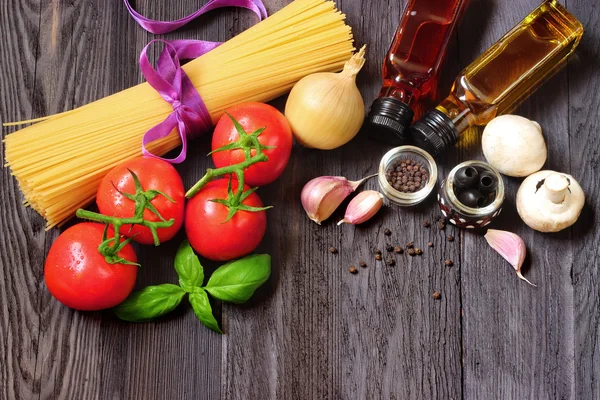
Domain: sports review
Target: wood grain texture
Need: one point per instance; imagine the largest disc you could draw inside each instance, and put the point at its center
(21, 231)
(584, 146)
(314, 331)
(327, 334)
(518, 340)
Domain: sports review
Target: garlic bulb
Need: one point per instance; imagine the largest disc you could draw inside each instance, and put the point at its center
(322, 196)
(326, 110)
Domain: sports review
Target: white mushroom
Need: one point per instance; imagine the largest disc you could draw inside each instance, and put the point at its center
(550, 201)
(514, 145)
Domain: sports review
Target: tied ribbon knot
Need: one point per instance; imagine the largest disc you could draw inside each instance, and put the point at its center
(190, 115)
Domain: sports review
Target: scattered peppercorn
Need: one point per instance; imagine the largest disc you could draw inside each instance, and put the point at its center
(418, 251)
(390, 261)
(363, 264)
(378, 257)
(333, 250)
(406, 175)
(412, 252)
(450, 238)
(426, 224)
(377, 251)
(389, 248)
(430, 244)
(442, 225)
(352, 269)
(398, 250)
(449, 263)
(410, 244)
(437, 295)
(387, 232)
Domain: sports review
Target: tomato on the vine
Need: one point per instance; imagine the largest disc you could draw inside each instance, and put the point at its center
(78, 276)
(277, 136)
(154, 175)
(215, 237)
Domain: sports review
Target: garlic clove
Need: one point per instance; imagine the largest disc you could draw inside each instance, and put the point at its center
(363, 207)
(511, 247)
(322, 196)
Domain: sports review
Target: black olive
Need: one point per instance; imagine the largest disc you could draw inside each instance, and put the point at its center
(466, 177)
(471, 198)
(488, 183)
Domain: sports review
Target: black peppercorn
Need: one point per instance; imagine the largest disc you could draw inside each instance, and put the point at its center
(410, 176)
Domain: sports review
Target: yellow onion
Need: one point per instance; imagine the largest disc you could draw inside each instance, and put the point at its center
(326, 110)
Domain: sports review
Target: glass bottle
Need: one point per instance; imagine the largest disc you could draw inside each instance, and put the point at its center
(502, 77)
(410, 68)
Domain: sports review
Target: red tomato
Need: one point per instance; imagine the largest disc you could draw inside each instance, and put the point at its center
(154, 174)
(79, 276)
(253, 116)
(215, 239)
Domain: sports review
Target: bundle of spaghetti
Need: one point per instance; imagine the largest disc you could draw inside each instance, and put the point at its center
(60, 161)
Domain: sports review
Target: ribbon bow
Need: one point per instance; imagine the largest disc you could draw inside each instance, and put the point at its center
(190, 115)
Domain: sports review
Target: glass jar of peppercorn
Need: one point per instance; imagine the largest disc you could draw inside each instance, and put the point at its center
(472, 195)
(407, 175)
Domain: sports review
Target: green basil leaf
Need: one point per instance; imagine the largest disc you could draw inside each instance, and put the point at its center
(188, 267)
(203, 310)
(150, 302)
(236, 281)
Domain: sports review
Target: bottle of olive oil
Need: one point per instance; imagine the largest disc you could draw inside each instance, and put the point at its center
(502, 77)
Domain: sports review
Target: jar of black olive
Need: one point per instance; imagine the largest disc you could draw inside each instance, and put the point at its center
(472, 195)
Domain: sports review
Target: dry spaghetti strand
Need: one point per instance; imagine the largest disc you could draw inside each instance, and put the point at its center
(60, 161)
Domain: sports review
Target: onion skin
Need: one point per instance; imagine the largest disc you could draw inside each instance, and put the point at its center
(326, 110)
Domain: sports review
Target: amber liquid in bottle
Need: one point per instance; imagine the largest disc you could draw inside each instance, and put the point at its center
(502, 77)
(411, 66)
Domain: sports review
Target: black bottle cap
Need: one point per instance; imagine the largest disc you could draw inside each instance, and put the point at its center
(434, 132)
(388, 120)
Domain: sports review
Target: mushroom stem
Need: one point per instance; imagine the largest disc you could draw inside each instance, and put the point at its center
(555, 188)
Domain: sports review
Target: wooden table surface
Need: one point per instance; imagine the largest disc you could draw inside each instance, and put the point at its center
(314, 331)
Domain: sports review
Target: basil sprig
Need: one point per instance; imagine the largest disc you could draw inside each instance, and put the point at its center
(234, 282)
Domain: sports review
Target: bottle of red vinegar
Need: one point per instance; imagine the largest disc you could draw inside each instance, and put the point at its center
(410, 68)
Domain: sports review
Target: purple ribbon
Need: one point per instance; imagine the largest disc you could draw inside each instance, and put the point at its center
(190, 115)
(160, 27)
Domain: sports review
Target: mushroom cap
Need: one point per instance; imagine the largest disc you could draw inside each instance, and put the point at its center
(514, 145)
(550, 201)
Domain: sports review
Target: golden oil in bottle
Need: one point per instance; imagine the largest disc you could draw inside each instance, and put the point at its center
(503, 76)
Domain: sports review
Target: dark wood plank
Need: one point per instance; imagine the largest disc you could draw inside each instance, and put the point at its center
(322, 332)
(584, 122)
(21, 232)
(518, 340)
(91, 51)
(315, 331)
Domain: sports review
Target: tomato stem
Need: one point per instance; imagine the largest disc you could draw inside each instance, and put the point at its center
(247, 143)
(143, 201)
(237, 169)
